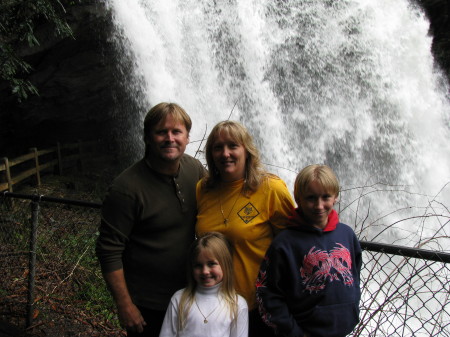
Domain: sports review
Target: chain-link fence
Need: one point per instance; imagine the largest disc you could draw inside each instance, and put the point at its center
(51, 282)
(405, 292)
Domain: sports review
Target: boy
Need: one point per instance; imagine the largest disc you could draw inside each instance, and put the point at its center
(308, 283)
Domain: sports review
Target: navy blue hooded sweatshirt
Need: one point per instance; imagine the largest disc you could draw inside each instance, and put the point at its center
(309, 280)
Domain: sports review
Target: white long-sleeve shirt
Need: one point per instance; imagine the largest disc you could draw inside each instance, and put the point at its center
(214, 308)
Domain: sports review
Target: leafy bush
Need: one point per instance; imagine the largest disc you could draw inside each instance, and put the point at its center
(18, 21)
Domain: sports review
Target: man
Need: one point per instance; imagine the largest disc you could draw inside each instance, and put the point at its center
(148, 219)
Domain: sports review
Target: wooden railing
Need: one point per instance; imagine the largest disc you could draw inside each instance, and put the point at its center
(59, 158)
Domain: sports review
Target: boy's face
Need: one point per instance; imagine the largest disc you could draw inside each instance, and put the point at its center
(317, 204)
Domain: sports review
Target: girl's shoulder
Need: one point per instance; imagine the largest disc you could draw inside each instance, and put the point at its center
(242, 303)
(179, 291)
(177, 295)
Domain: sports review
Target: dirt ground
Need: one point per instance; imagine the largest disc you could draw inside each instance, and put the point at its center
(61, 320)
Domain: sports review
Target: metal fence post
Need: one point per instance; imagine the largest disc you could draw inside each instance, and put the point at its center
(32, 261)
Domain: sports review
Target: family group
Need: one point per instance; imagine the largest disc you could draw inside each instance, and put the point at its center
(224, 250)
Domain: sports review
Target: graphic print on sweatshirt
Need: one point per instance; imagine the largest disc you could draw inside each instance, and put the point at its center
(320, 267)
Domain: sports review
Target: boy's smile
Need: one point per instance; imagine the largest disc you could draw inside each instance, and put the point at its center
(316, 204)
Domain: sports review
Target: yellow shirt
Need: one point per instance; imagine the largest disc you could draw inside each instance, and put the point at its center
(248, 222)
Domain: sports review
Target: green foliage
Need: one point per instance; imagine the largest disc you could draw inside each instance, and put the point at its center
(18, 21)
(96, 299)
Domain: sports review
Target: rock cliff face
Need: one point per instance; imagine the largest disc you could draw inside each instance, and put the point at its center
(80, 86)
(75, 80)
(438, 11)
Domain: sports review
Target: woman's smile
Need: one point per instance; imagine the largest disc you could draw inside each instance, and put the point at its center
(229, 157)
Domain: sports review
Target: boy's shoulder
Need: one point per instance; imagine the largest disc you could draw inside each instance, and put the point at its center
(288, 236)
(345, 228)
(295, 234)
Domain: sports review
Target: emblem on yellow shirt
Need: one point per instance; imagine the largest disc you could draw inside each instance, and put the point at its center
(248, 213)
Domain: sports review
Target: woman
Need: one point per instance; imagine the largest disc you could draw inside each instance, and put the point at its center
(241, 200)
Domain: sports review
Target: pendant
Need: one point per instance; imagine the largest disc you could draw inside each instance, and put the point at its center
(225, 221)
(205, 321)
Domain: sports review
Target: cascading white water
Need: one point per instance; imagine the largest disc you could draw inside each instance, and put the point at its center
(348, 83)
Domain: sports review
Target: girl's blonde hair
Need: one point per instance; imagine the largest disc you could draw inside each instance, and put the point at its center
(218, 246)
(254, 172)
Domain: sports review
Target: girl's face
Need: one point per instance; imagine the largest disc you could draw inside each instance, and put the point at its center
(207, 270)
(317, 204)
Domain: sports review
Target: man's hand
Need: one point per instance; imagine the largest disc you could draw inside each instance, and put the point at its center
(130, 317)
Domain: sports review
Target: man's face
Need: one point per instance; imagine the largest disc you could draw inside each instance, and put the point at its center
(168, 139)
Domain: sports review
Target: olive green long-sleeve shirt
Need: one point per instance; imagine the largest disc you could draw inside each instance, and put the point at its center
(147, 226)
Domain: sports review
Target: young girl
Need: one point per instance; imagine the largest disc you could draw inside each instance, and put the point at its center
(209, 305)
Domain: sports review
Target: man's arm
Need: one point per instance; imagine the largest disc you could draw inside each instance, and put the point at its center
(114, 231)
(129, 315)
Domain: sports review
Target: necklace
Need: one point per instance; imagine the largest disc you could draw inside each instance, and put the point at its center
(205, 317)
(225, 219)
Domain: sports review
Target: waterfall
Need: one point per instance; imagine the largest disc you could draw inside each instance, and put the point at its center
(351, 84)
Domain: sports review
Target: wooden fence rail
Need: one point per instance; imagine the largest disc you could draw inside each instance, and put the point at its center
(33, 163)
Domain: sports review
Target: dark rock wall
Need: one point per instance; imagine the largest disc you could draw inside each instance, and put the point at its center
(438, 12)
(82, 85)
(76, 83)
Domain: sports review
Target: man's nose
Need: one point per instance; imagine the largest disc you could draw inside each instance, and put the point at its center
(170, 137)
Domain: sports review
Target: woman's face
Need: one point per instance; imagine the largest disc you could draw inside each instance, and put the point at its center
(229, 157)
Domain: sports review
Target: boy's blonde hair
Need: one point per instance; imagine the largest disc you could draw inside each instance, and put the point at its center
(320, 173)
(219, 247)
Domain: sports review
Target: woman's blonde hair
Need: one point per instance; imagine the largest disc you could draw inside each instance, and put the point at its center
(218, 246)
(254, 172)
(320, 173)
